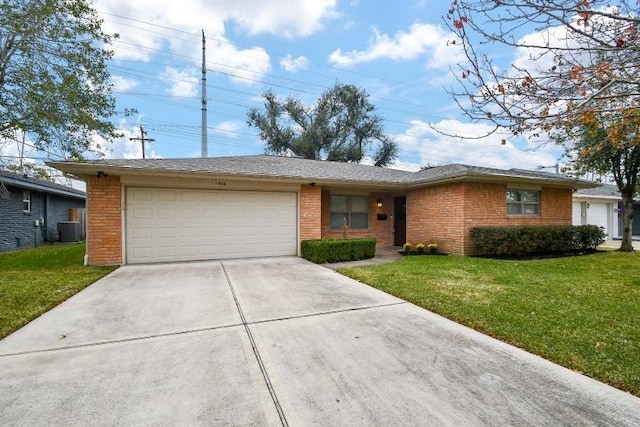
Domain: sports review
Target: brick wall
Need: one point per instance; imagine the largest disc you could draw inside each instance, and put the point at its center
(59, 207)
(16, 226)
(104, 220)
(436, 214)
(310, 212)
(485, 205)
(444, 214)
(381, 230)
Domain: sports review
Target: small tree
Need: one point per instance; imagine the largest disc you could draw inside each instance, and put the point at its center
(341, 126)
(54, 83)
(609, 144)
(576, 78)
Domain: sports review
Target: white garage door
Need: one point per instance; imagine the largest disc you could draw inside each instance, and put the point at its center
(598, 214)
(164, 225)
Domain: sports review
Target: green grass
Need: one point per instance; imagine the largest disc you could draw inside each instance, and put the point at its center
(580, 312)
(33, 281)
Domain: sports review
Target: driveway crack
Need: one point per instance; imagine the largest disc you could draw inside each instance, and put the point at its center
(256, 352)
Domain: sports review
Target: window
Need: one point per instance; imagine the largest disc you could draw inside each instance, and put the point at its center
(26, 201)
(354, 210)
(522, 202)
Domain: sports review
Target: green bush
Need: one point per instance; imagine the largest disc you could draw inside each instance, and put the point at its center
(589, 237)
(519, 240)
(337, 250)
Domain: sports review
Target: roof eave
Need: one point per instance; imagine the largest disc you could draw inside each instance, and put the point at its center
(593, 196)
(504, 178)
(84, 170)
(40, 187)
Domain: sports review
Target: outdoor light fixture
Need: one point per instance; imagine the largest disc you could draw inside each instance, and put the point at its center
(101, 174)
(379, 203)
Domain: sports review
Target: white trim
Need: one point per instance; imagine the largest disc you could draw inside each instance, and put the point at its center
(26, 200)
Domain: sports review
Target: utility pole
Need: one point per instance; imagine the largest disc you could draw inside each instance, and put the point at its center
(204, 99)
(142, 139)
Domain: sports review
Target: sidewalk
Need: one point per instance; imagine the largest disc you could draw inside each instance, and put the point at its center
(383, 255)
(615, 244)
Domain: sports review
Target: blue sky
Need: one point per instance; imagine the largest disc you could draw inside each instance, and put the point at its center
(396, 51)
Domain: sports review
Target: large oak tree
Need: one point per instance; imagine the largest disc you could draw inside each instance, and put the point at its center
(342, 125)
(54, 83)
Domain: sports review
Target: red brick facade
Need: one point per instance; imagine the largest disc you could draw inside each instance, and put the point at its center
(440, 213)
(436, 214)
(310, 217)
(381, 230)
(104, 220)
(444, 214)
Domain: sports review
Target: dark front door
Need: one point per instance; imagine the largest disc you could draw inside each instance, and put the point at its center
(400, 221)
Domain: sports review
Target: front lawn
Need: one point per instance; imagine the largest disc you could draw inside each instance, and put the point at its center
(33, 281)
(580, 312)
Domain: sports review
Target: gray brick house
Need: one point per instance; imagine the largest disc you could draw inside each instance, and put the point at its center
(30, 210)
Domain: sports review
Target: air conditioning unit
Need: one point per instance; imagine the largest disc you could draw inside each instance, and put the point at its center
(69, 231)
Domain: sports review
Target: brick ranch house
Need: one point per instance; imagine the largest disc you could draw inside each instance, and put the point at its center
(162, 210)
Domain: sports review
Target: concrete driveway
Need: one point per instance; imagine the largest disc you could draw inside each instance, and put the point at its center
(276, 341)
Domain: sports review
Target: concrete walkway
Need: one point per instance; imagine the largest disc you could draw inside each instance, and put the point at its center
(276, 341)
(382, 256)
(615, 244)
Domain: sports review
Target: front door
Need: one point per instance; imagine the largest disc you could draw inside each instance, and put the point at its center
(400, 221)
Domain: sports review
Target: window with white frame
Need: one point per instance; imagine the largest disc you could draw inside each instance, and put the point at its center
(26, 201)
(523, 202)
(352, 210)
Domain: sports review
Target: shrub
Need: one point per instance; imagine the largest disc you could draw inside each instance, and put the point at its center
(589, 237)
(408, 247)
(519, 240)
(337, 250)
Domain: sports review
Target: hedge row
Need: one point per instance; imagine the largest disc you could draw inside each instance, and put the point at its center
(537, 239)
(336, 250)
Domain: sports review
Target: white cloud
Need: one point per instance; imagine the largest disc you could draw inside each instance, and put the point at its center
(122, 84)
(147, 29)
(573, 46)
(404, 46)
(291, 64)
(124, 147)
(242, 66)
(283, 18)
(230, 129)
(424, 146)
(182, 82)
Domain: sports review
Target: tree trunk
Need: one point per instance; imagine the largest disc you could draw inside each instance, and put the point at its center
(627, 223)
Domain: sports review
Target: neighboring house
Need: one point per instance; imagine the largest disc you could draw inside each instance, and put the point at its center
(602, 206)
(157, 210)
(30, 210)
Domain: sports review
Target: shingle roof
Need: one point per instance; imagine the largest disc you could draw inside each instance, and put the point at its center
(266, 166)
(292, 168)
(455, 170)
(606, 190)
(19, 180)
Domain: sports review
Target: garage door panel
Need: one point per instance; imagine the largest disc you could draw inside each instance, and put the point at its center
(164, 232)
(165, 225)
(166, 195)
